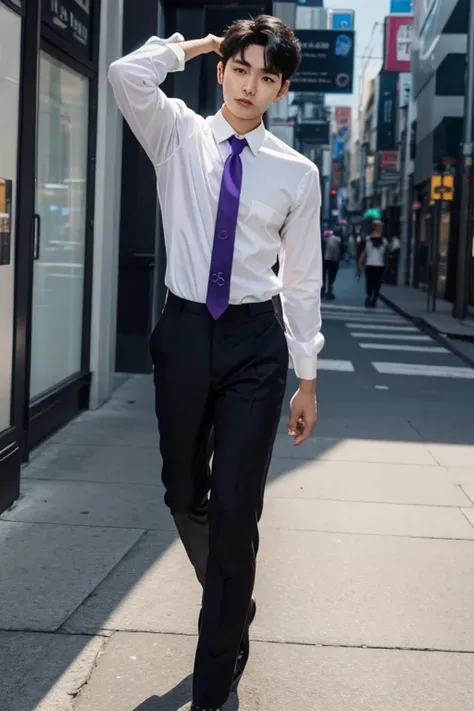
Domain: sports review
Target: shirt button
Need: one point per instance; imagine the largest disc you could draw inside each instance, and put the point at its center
(223, 234)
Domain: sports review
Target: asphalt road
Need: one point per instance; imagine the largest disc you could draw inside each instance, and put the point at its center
(381, 374)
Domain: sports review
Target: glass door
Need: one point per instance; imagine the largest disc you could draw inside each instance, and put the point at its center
(60, 226)
(10, 53)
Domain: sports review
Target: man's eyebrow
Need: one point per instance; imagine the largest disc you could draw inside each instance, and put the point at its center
(244, 63)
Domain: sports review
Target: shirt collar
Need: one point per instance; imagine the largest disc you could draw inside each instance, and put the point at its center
(223, 131)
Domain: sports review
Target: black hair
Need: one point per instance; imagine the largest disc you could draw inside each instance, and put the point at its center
(282, 49)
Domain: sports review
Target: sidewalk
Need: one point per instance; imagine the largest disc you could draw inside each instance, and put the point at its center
(365, 580)
(412, 303)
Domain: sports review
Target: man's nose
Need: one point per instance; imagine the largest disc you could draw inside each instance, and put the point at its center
(250, 86)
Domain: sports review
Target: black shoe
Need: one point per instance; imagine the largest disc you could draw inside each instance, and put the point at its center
(244, 651)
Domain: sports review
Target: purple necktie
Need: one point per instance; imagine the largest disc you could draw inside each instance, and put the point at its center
(218, 289)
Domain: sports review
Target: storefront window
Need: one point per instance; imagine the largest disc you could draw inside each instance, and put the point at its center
(58, 286)
(10, 47)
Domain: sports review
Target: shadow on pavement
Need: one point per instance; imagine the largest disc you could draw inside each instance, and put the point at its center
(91, 526)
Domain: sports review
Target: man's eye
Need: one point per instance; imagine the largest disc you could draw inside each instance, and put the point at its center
(269, 79)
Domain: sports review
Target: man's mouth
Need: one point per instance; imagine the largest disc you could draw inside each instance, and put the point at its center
(244, 102)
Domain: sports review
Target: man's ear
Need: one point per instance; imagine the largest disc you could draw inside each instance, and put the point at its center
(283, 91)
(220, 73)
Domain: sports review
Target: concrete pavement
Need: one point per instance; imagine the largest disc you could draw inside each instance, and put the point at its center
(366, 569)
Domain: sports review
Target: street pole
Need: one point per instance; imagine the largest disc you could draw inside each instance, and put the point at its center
(465, 222)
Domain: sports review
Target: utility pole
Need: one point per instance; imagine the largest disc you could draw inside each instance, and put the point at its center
(466, 222)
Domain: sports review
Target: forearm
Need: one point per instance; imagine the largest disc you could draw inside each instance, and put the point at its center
(194, 48)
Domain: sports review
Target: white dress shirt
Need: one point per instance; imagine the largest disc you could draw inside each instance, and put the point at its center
(279, 207)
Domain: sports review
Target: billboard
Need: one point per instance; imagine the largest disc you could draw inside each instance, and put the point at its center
(398, 39)
(327, 64)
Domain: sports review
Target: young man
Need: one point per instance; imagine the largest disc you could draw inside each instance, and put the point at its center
(233, 199)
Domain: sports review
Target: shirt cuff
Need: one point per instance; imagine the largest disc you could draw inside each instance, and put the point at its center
(180, 57)
(305, 367)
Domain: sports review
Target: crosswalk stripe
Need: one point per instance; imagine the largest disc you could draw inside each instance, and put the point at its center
(390, 336)
(434, 371)
(361, 309)
(379, 327)
(399, 347)
(362, 318)
(342, 366)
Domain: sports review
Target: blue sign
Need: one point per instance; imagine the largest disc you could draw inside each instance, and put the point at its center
(404, 7)
(327, 64)
(343, 20)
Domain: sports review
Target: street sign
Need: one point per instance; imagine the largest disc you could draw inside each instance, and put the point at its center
(327, 64)
(401, 6)
(315, 132)
(342, 20)
(442, 187)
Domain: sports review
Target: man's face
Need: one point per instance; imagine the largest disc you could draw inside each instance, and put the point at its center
(247, 87)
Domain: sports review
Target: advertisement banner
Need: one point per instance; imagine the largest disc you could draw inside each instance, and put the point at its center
(327, 64)
(405, 87)
(387, 86)
(342, 115)
(387, 169)
(398, 39)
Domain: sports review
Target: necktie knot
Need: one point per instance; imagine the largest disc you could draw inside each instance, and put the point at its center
(237, 144)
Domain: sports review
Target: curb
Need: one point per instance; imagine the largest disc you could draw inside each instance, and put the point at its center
(429, 330)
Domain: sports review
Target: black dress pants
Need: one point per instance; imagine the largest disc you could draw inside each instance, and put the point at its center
(219, 390)
(373, 282)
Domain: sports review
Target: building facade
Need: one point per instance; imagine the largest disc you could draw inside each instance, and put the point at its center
(438, 73)
(58, 198)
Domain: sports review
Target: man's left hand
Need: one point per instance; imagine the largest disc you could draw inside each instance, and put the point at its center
(303, 415)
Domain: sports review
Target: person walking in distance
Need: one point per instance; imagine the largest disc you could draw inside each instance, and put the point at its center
(373, 261)
(234, 198)
(332, 256)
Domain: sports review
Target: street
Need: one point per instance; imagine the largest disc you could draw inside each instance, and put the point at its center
(365, 582)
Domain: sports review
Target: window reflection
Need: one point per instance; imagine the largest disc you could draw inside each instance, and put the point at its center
(61, 210)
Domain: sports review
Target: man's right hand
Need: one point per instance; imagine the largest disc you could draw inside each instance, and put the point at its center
(215, 44)
(206, 45)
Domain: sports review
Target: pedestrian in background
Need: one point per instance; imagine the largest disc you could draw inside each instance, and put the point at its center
(373, 262)
(332, 257)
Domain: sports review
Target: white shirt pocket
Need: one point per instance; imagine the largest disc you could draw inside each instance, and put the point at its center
(264, 220)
